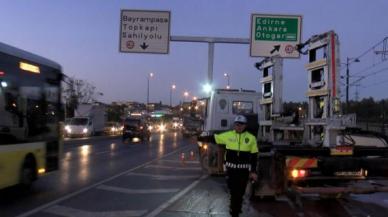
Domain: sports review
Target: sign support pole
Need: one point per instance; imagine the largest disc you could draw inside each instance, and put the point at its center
(211, 41)
(210, 63)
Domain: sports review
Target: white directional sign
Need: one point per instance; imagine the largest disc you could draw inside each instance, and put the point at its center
(144, 31)
(273, 35)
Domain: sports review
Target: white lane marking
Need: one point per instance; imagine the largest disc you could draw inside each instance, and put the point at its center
(173, 168)
(101, 152)
(164, 177)
(71, 212)
(44, 206)
(179, 161)
(137, 191)
(175, 198)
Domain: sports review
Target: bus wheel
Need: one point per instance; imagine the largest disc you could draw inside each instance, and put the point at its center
(28, 174)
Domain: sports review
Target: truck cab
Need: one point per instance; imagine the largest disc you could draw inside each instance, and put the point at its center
(218, 115)
(223, 106)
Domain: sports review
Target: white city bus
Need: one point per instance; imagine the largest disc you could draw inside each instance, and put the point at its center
(30, 113)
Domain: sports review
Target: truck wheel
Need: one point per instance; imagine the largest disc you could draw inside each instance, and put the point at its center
(28, 172)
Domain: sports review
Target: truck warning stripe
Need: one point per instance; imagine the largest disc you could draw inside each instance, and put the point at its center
(296, 162)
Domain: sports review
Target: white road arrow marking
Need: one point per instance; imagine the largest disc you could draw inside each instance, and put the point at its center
(71, 212)
(163, 177)
(178, 161)
(173, 168)
(137, 191)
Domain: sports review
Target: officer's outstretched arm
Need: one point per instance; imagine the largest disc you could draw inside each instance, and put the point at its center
(220, 138)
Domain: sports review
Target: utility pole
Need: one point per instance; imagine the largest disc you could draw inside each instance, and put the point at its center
(348, 61)
(383, 52)
(347, 84)
(171, 89)
(150, 75)
(357, 93)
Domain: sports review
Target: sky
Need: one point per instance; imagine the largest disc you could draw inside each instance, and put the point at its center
(83, 36)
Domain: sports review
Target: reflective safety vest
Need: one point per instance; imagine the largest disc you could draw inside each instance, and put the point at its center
(241, 148)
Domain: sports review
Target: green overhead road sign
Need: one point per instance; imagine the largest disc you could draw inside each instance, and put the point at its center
(273, 35)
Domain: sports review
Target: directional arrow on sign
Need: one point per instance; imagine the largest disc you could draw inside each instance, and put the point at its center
(275, 48)
(144, 46)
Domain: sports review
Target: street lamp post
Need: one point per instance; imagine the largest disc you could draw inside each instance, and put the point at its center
(226, 75)
(348, 61)
(150, 75)
(171, 89)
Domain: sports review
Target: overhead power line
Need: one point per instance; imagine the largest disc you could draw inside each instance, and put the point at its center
(368, 68)
(368, 75)
(372, 49)
(375, 84)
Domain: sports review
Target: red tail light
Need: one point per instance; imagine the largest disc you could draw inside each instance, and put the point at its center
(296, 173)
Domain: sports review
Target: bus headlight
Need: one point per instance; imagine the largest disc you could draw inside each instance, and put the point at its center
(85, 130)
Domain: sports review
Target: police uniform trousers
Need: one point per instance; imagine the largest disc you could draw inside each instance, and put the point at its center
(237, 179)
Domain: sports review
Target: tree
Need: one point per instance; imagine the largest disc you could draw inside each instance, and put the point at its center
(77, 92)
(115, 112)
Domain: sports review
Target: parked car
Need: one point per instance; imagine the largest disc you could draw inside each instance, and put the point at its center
(135, 128)
(113, 128)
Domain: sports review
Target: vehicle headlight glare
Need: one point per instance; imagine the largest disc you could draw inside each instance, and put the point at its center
(162, 128)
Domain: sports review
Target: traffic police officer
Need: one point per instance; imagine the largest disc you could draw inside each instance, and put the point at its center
(240, 161)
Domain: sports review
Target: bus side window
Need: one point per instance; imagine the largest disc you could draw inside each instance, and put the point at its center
(10, 103)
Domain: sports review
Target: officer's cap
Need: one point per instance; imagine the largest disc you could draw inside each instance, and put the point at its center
(240, 119)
